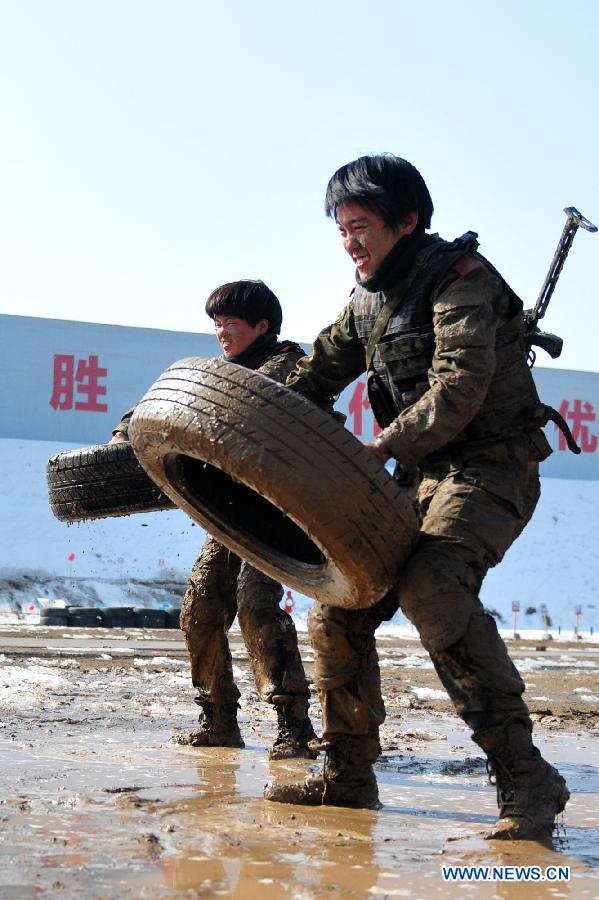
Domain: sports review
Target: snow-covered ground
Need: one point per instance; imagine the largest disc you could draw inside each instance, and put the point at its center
(144, 559)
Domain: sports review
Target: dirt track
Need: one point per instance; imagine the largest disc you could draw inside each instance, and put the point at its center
(99, 802)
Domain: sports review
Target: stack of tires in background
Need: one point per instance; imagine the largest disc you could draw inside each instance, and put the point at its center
(111, 617)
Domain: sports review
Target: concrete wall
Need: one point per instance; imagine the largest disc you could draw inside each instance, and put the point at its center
(70, 381)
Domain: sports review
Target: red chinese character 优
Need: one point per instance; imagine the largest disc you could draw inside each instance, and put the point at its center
(358, 403)
(579, 412)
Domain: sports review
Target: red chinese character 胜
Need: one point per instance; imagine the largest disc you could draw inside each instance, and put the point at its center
(84, 380)
(63, 382)
(87, 377)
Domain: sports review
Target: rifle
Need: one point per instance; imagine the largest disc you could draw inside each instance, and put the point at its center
(551, 343)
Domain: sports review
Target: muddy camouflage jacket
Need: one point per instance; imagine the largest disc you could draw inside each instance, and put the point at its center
(267, 354)
(451, 363)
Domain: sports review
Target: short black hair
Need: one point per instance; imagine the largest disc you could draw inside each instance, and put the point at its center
(386, 184)
(249, 300)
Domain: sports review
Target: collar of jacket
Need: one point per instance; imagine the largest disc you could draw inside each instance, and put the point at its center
(258, 351)
(397, 262)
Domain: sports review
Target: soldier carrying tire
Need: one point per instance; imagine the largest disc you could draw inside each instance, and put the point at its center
(441, 337)
(247, 317)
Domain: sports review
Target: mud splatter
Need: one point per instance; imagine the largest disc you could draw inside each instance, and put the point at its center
(98, 801)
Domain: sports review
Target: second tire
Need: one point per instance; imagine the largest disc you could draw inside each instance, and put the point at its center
(101, 481)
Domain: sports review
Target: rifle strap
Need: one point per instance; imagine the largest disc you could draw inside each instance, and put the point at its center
(462, 265)
(387, 310)
(555, 417)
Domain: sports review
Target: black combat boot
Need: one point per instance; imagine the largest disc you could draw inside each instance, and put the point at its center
(218, 726)
(530, 792)
(347, 778)
(294, 729)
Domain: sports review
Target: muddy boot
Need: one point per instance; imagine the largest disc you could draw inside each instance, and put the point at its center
(347, 779)
(294, 729)
(530, 792)
(218, 726)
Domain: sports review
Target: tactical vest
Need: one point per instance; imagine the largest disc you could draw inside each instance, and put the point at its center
(403, 354)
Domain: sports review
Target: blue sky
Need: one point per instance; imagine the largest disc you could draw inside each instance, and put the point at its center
(153, 150)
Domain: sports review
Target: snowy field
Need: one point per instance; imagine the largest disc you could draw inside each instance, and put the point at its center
(144, 560)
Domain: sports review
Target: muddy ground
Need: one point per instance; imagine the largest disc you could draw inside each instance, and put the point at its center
(98, 801)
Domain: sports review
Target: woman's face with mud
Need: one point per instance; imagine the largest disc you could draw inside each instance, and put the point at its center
(235, 335)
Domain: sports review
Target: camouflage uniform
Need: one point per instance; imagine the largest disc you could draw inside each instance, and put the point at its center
(222, 586)
(450, 385)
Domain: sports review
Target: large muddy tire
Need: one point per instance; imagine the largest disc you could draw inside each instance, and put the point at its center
(276, 479)
(101, 481)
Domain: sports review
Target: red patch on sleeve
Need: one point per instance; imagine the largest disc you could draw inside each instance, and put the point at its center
(286, 348)
(466, 265)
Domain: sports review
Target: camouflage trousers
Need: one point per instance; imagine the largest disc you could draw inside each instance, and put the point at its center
(473, 505)
(221, 586)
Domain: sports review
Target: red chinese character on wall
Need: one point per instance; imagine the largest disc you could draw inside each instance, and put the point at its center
(576, 414)
(82, 379)
(358, 403)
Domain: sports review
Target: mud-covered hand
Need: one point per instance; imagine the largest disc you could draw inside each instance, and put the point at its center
(118, 438)
(378, 450)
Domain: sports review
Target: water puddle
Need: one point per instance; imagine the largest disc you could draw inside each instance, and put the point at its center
(96, 802)
(136, 818)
